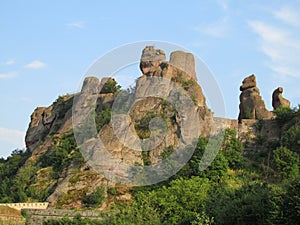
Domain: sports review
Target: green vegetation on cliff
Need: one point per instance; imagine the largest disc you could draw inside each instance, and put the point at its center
(239, 187)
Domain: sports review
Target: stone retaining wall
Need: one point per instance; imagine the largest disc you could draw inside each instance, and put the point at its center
(36, 217)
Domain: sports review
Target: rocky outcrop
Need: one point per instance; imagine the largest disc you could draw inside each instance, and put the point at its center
(184, 61)
(37, 129)
(180, 71)
(252, 105)
(166, 110)
(166, 85)
(152, 60)
(278, 100)
(49, 120)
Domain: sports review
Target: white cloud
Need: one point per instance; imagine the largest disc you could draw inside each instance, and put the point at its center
(14, 137)
(288, 15)
(10, 62)
(216, 29)
(76, 24)
(280, 46)
(8, 75)
(35, 65)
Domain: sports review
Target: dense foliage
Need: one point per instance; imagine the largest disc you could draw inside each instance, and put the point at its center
(24, 180)
(232, 190)
(78, 220)
(11, 186)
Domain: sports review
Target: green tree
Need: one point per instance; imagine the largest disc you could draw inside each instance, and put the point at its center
(244, 206)
(182, 201)
(291, 139)
(291, 203)
(286, 163)
(232, 149)
(140, 212)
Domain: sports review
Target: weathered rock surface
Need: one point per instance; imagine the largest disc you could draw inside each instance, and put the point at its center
(180, 70)
(49, 120)
(152, 60)
(184, 61)
(278, 100)
(252, 105)
(167, 109)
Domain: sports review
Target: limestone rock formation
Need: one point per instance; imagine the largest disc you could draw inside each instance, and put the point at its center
(48, 120)
(90, 85)
(184, 61)
(180, 69)
(171, 82)
(252, 105)
(41, 122)
(278, 100)
(152, 60)
(166, 110)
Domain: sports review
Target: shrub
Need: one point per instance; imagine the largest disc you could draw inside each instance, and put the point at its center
(110, 86)
(284, 114)
(94, 199)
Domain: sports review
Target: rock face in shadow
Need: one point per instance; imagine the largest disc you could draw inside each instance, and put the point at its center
(252, 105)
(278, 100)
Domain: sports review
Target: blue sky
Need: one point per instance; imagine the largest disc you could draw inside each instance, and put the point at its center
(47, 46)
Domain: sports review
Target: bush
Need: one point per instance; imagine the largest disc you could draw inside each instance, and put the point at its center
(102, 118)
(94, 199)
(284, 114)
(110, 86)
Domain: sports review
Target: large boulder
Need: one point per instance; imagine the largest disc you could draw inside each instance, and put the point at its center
(252, 105)
(278, 100)
(151, 60)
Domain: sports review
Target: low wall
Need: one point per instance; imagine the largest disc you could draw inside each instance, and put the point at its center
(33, 205)
(36, 217)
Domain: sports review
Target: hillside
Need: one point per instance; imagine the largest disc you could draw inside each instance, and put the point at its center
(147, 168)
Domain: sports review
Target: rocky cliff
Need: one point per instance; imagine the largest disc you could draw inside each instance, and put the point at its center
(158, 118)
(165, 110)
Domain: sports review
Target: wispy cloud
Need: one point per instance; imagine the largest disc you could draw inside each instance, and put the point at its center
(223, 4)
(10, 62)
(27, 100)
(288, 15)
(8, 75)
(218, 29)
(35, 65)
(15, 137)
(280, 46)
(76, 24)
